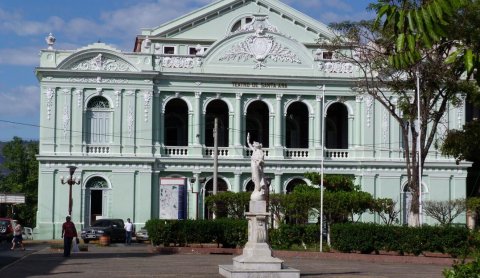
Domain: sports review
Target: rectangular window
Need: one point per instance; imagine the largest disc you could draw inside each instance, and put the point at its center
(169, 50)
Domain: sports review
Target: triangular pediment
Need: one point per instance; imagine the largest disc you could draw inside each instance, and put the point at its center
(216, 21)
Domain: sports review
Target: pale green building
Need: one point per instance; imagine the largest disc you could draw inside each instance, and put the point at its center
(129, 119)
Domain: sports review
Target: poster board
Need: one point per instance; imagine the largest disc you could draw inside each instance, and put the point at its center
(173, 198)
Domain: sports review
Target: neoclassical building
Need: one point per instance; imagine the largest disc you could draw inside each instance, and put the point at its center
(139, 125)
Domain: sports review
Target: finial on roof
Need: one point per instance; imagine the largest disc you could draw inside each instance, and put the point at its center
(50, 39)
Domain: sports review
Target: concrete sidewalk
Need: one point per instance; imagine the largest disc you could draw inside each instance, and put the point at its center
(138, 261)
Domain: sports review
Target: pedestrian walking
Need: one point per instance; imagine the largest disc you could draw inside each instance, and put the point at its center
(17, 237)
(68, 233)
(128, 232)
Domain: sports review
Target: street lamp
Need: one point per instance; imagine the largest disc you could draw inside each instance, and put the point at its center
(71, 181)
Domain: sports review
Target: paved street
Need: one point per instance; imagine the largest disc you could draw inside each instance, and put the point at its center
(138, 261)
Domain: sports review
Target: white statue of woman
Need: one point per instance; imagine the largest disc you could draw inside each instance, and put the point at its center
(257, 163)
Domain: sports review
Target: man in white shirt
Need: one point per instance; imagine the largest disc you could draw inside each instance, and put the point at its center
(128, 232)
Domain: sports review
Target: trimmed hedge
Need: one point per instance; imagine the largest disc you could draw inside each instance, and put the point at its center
(288, 235)
(225, 232)
(367, 238)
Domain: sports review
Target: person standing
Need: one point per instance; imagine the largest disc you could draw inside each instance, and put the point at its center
(68, 233)
(128, 232)
(17, 237)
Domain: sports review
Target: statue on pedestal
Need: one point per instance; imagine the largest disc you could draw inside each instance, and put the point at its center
(257, 163)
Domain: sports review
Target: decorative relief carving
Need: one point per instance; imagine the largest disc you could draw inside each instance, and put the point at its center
(49, 97)
(369, 103)
(238, 95)
(198, 94)
(147, 99)
(79, 94)
(117, 98)
(180, 62)
(442, 126)
(66, 118)
(260, 46)
(318, 97)
(130, 120)
(101, 63)
(99, 80)
(359, 98)
(66, 91)
(335, 67)
(386, 126)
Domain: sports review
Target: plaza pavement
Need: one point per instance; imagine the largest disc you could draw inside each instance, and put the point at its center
(138, 260)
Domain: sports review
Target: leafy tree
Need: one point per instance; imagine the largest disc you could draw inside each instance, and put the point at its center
(22, 176)
(441, 85)
(228, 204)
(418, 25)
(387, 210)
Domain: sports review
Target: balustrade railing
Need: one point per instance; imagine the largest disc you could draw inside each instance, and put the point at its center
(340, 154)
(297, 153)
(176, 151)
(98, 150)
(209, 151)
(249, 152)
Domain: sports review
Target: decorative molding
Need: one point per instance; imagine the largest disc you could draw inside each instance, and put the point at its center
(147, 100)
(238, 95)
(318, 98)
(180, 62)
(369, 103)
(130, 120)
(359, 98)
(279, 97)
(260, 46)
(66, 118)
(101, 63)
(198, 94)
(79, 94)
(98, 80)
(386, 126)
(66, 91)
(442, 126)
(218, 96)
(117, 94)
(335, 67)
(49, 97)
(341, 99)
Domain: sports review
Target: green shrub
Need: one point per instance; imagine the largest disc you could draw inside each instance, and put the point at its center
(367, 237)
(225, 232)
(464, 269)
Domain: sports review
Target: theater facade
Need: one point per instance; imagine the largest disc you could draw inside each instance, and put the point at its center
(139, 125)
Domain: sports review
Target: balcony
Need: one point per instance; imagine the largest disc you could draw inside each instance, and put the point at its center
(222, 152)
(98, 149)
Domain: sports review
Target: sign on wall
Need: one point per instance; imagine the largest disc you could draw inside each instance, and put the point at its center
(173, 198)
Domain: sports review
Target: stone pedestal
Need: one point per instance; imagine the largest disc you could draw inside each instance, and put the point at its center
(257, 260)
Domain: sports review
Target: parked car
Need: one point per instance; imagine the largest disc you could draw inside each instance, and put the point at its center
(6, 229)
(114, 228)
(142, 235)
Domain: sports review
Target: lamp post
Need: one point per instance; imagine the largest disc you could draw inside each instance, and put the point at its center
(71, 181)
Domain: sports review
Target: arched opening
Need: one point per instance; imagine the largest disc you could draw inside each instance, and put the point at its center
(257, 122)
(222, 186)
(293, 183)
(336, 133)
(296, 132)
(240, 23)
(176, 123)
(99, 117)
(95, 199)
(216, 109)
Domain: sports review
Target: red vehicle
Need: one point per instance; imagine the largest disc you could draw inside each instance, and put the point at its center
(6, 229)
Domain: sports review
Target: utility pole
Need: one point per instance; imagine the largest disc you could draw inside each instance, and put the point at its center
(215, 156)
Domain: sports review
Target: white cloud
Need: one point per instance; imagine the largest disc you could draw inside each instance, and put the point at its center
(20, 102)
(25, 56)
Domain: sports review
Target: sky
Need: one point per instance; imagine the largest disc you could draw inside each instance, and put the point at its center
(24, 24)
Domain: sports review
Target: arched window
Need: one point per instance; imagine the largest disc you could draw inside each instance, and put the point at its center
(336, 133)
(240, 23)
(99, 121)
(297, 126)
(257, 122)
(221, 187)
(216, 109)
(95, 199)
(176, 123)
